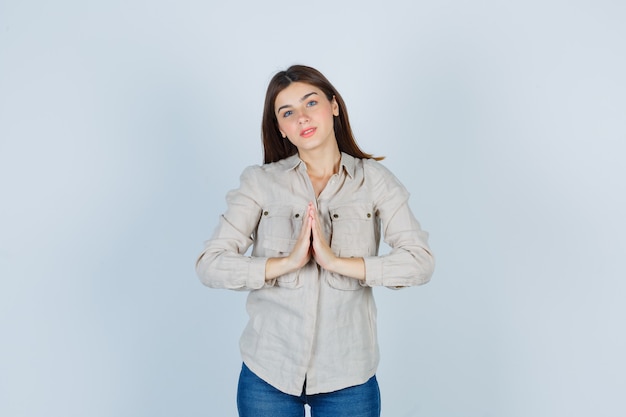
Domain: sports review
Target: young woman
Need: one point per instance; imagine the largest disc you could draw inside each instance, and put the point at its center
(314, 213)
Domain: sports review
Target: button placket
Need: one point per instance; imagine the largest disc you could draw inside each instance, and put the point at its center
(324, 217)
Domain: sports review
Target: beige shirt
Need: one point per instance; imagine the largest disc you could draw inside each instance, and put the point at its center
(312, 324)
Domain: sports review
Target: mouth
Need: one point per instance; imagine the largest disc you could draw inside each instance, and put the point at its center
(308, 132)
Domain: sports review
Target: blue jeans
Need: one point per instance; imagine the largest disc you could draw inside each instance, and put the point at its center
(257, 398)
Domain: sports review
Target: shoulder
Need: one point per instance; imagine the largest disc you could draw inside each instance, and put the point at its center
(374, 166)
(249, 173)
(363, 166)
(262, 174)
(376, 170)
(380, 177)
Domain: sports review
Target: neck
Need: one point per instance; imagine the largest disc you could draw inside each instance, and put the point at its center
(322, 164)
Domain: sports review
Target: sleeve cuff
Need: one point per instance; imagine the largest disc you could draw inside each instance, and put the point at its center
(256, 272)
(373, 271)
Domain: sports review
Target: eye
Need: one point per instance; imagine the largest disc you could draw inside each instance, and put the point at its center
(287, 113)
(311, 103)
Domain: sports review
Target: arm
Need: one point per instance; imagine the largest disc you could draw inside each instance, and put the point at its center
(410, 261)
(223, 264)
(299, 256)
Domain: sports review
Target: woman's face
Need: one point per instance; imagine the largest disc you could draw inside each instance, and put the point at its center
(305, 116)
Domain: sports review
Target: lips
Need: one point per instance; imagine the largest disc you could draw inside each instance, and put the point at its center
(308, 132)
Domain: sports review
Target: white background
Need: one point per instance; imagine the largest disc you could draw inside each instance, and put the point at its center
(124, 123)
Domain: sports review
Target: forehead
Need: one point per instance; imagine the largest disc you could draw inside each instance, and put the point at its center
(294, 93)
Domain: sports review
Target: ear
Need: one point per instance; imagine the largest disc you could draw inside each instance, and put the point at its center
(335, 107)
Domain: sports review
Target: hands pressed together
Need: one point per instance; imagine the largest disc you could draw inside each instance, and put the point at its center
(311, 243)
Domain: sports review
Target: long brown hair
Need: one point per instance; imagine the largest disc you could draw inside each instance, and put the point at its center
(275, 147)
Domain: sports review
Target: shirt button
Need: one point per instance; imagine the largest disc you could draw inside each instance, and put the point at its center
(369, 215)
(297, 215)
(336, 216)
(265, 213)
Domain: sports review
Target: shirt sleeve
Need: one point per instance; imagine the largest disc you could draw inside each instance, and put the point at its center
(410, 261)
(222, 263)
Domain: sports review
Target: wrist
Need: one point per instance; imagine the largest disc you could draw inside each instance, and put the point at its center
(275, 267)
(350, 267)
(334, 265)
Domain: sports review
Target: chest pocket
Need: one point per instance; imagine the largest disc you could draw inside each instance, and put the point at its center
(355, 230)
(277, 231)
(276, 236)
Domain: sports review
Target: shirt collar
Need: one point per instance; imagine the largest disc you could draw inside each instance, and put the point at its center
(291, 162)
(347, 163)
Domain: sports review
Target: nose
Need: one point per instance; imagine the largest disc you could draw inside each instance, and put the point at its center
(303, 118)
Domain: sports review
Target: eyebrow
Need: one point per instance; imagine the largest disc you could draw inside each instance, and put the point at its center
(304, 97)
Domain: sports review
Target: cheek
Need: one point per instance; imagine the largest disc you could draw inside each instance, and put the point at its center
(285, 127)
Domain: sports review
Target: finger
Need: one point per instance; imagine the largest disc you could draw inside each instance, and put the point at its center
(314, 225)
(314, 216)
(312, 210)
(305, 230)
(306, 227)
(319, 239)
